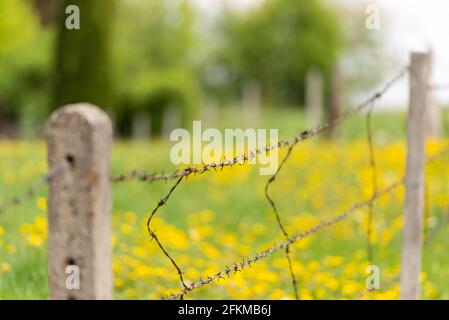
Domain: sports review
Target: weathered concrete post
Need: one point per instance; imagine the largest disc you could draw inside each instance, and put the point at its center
(414, 177)
(79, 212)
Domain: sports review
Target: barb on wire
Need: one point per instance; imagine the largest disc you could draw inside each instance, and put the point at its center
(145, 177)
(248, 261)
(241, 159)
(372, 161)
(278, 217)
(32, 190)
(153, 235)
(237, 267)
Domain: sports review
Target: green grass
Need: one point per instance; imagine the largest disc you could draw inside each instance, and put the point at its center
(322, 185)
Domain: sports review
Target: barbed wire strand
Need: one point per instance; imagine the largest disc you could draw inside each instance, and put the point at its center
(32, 190)
(241, 159)
(238, 267)
(374, 184)
(278, 218)
(153, 235)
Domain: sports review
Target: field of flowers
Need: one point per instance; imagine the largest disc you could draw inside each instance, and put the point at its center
(218, 218)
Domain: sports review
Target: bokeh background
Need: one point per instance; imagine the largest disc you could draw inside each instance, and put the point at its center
(156, 65)
(167, 62)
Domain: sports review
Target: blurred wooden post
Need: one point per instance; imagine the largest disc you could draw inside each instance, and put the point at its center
(314, 97)
(209, 112)
(141, 126)
(336, 97)
(252, 99)
(79, 213)
(414, 179)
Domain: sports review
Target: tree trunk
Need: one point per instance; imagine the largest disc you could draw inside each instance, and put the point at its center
(336, 97)
(46, 10)
(83, 56)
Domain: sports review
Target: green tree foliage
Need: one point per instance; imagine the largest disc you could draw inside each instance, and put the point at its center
(25, 57)
(83, 70)
(153, 53)
(367, 57)
(274, 45)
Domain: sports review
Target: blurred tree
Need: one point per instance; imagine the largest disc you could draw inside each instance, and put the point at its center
(366, 57)
(153, 51)
(274, 45)
(46, 9)
(25, 58)
(83, 70)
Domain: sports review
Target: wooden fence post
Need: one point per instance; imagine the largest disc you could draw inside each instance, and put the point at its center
(314, 97)
(336, 99)
(80, 136)
(414, 179)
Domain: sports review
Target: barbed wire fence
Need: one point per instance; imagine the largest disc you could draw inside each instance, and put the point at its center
(182, 175)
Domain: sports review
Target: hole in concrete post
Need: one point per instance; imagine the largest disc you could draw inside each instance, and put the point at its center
(70, 159)
(71, 262)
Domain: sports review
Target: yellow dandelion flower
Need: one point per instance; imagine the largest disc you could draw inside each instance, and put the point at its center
(139, 252)
(130, 217)
(333, 261)
(313, 265)
(305, 294)
(42, 203)
(26, 228)
(126, 229)
(5, 267)
(41, 224)
(349, 288)
(119, 282)
(10, 248)
(35, 240)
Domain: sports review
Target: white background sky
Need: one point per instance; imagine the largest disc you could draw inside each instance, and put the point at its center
(414, 25)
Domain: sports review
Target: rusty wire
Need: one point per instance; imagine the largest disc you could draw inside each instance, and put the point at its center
(247, 262)
(153, 235)
(237, 267)
(241, 159)
(278, 218)
(32, 190)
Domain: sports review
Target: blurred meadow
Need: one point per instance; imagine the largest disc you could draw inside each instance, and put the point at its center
(156, 65)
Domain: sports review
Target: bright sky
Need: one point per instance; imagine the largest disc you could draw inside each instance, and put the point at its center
(414, 25)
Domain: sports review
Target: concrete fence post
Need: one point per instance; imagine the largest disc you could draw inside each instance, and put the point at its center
(79, 212)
